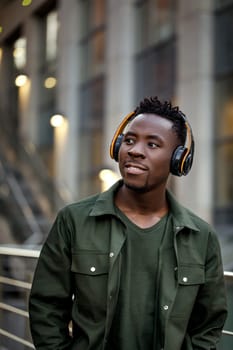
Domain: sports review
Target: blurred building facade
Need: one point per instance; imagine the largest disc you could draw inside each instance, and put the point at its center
(88, 63)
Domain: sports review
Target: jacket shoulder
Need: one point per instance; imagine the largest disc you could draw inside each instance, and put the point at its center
(83, 206)
(199, 222)
(185, 217)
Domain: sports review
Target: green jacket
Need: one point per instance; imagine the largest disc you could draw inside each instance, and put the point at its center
(78, 275)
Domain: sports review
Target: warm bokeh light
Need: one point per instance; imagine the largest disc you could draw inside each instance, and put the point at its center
(57, 120)
(108, 178)
(50, 82)
(21, 80)
(19, 53)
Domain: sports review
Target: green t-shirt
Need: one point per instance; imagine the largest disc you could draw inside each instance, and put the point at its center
(135, 320)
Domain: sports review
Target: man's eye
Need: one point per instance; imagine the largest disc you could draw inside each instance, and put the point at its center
(129, 141)
(153, 145)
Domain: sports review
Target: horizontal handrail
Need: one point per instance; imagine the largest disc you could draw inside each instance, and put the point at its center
(228, 274)
(17, 339)
(15, 283)
(23, 252)
(14, 310)
(227, 332)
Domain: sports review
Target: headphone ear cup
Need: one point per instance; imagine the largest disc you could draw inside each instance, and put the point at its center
(189, 159)
(176, 161)
(117, 146)
(187, 164)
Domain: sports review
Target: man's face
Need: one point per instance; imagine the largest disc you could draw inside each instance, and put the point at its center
(146, 151)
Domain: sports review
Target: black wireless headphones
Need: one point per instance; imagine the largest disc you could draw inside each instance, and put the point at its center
(182, 157)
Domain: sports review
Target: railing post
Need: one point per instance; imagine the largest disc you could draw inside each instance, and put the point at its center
(1, 293)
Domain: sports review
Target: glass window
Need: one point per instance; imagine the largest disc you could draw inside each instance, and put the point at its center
(97, 10)
(93, 15)
(156, 21)
(93, 55)
(224, 41)
(92, 46)
(224, 171)
(155, 58)
(224, 141)
(222, 3)
(93, 39)
(47, 86)
(224, 116)
(92, 102)
(156, 71)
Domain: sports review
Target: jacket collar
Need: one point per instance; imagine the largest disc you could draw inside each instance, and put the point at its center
(182, 217)
(104, 204)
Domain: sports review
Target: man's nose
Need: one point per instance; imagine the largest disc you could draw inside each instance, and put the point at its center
(137, 150)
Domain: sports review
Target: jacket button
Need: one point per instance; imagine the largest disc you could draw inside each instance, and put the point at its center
(185, 279)
(165, 307)
(111, 255)
(92, 269)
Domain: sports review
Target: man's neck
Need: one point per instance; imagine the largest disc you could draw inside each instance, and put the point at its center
(144, 209)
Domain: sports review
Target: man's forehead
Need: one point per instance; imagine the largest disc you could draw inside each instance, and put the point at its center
(150, 117)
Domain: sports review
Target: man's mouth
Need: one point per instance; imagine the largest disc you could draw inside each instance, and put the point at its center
(135, 169)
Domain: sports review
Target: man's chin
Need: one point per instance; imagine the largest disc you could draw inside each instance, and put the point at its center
(135, 188)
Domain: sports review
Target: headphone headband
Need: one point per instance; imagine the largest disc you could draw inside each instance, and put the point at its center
(182, 158)
(119, 131)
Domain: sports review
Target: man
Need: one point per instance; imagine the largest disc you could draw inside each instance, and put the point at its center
(130, 267)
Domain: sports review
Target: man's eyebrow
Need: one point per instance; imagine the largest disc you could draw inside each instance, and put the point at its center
(150, 136)
(130, 133)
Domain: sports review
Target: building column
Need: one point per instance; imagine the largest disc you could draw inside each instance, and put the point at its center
(119, 72)
(66, 140)
(8, 110)
(195, 98)
(30, 116)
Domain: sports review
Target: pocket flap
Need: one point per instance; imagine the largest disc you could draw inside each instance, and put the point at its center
(90, 263)
(191, 274)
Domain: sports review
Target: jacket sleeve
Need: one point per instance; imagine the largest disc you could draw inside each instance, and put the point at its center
(210, 309)
(50, 299)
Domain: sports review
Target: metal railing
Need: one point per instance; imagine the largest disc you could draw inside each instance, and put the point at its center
(31, 253)
(8, 251)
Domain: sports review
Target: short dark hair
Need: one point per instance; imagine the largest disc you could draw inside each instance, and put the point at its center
(165, 110)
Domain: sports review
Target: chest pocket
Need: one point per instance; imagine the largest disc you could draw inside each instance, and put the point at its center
(90, 263)
(90, 275)
(191, 275)
(189, 280)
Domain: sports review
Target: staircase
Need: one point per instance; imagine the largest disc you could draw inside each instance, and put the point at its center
(27, 195)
